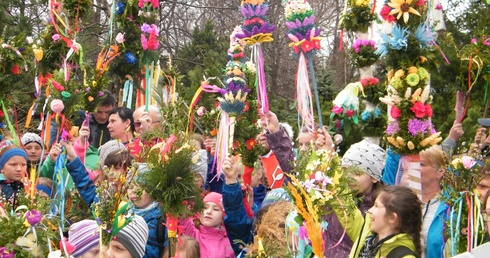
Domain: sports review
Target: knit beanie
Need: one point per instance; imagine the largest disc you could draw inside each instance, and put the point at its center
(275, 195)
(109, 147)
(12, 152)
(84, 236)
(216, 198)
(31, 137)
(134, 236)
(367, 156)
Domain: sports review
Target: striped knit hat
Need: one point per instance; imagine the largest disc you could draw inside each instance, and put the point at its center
(134, 236)
(84, 236)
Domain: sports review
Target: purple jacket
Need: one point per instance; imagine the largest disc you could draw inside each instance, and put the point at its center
(213, 242)
(334, 232)
(282, 146)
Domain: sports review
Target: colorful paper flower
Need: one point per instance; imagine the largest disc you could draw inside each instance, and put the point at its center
(120, 8)
(251, 143)
(402, 7)
(392, 128)
(56, 37)
(468, 162)
(33, 217)
(130, 58)
(395, 112)
(337, 110)
(418, 109)
(120, 38)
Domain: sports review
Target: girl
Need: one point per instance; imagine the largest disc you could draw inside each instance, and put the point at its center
(391, 228)
(211, 234)
(84, 236)
(33, 145)
(13, 167)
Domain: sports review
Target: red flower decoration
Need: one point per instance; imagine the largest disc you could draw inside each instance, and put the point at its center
(428, 110)
(349, 113)
(385, 14)
(420, 3)
(246, 107)
(2, 114)
(15, 69)
(418, 109)
(306, 46)
(152, 41)
(57, 86)
(236, 144)
(316, 44)
(337, 110)
(251, 143)
(395, 112)
(296, 49)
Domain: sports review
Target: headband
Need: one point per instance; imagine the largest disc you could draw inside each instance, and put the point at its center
(11, 153)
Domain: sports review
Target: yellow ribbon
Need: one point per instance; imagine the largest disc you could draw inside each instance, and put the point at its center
(293, 44)
(258, 38)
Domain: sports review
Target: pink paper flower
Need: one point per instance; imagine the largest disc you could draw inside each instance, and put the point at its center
(468, 162)
(120, 38)
(349, 113)
(438, 7)
(200, 111)
(337, 110)
(57, 106)
(56, 37)
(395, 112)
(474, 41)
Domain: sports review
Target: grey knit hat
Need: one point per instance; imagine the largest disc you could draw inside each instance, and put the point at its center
(109, 147)
(367, 156)
(134, 236)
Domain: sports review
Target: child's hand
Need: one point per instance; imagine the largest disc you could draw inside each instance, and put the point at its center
(55, 151)
(324, 140)
(70, 151)
(229, 172)
(209, 144)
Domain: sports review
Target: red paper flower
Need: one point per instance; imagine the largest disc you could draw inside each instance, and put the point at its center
(337, 110)
(246, 107)
(57, 86)
(15, 69)
(349, 113)
(306, 46)
(296, 49)
(395, 112)
(385, 14)
(251, 143)
(316, 44)
(2, 114)
(418, 109)
(428, 110)
(152, 41)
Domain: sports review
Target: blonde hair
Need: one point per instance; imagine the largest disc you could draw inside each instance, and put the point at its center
(189, 246)
(434, 156)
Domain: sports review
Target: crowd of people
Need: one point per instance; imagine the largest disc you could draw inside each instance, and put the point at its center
(389, 221)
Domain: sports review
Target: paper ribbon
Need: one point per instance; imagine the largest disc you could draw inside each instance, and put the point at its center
(315, 89)
(15, 137)
(303, 96)
(260, 82)
(190, 114)
(128, 92)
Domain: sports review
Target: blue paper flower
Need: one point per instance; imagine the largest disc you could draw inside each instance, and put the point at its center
(377, 112)
(130, 58)
(382, 46)
(120, 8)
(365, 115)
(399, 38)
(423, 35)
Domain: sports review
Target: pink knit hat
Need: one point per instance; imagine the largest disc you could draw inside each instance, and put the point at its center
(216, 198)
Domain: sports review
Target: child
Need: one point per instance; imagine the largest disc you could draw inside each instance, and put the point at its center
(13, 167)
(151, 211)
(187, 247)
(130, 242)
(84, 236)
(211, 234)
(33, 145)
(44, 187)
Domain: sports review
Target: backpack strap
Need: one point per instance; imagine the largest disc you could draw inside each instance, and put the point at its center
(401, 251)
(160, 234)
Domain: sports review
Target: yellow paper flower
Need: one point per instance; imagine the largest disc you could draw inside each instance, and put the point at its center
(402, 7)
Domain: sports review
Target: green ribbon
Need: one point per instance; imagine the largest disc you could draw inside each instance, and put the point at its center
(15, 139)
(120, 211)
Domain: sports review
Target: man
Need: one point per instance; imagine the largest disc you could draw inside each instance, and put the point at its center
(99, 134)
(146, 120)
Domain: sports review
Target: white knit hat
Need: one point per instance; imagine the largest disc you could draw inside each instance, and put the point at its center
(31, 137)
(367, 156)
(108, 148)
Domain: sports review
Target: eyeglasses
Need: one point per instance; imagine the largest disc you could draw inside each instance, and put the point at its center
(138, 124)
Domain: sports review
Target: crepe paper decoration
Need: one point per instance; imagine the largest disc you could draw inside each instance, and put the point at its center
(255, 30)
(128, 91)
(459, 106)
(15, 137)
(305, 41)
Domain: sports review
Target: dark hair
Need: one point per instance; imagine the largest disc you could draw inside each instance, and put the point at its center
(107, 99)
(118, 158)
(403, 202)
(125, 114)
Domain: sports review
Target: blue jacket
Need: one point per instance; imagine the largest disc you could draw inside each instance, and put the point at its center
(259, 194)
(435, 236)
(237, 223)
(213, 183)
(391, 167)
(152, 214)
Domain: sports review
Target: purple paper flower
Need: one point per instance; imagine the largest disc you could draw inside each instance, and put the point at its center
(303, 234)
(56, 37)
(392, 128)
(33, 217)
(5, 253)
(146, 28)
(416, 126)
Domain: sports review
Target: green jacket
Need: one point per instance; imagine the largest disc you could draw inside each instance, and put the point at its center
(359, 228)
(91, 162)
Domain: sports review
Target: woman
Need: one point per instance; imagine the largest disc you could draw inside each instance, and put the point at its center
(391, 228)
(121, 127)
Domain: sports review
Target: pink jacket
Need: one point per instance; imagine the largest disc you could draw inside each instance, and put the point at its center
(213, 242)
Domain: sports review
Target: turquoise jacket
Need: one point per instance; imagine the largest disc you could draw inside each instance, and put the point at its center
(435, 237)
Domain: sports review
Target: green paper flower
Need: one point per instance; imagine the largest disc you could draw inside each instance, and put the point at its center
(65, 95)
(397, 83)
(413, 79)
(423, 74)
